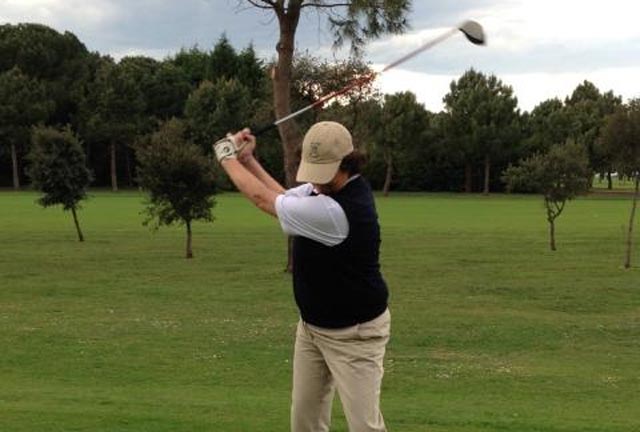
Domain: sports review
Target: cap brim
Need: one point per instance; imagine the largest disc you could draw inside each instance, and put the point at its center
(317, 173)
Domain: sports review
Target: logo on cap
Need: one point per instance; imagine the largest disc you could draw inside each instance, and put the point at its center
(314, 153)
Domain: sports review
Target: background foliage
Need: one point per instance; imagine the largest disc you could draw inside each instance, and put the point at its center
(111, 105)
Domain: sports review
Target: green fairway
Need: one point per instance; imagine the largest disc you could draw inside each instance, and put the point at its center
(618, 185)
(491, 331)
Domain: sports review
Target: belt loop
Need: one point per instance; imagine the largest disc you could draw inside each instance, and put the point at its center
(306, 329)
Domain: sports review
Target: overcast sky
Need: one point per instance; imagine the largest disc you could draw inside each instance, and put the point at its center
(542, 48)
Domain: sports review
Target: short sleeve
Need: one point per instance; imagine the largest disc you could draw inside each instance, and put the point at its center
(317, 217)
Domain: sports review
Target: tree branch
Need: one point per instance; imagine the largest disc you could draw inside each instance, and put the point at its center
(551, 215)
(263, 4)
(294, 5)
(324, 6)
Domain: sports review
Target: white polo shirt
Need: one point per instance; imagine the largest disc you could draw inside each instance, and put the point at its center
(317, 217)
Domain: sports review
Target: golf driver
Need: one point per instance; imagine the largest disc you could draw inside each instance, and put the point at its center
(471, 29)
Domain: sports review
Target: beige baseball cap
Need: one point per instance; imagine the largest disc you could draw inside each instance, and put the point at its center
(323, 148)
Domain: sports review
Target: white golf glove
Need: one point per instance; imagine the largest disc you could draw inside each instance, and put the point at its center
(230, 146)
(225, 149)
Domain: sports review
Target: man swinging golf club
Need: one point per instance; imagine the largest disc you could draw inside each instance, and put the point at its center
(344, 321)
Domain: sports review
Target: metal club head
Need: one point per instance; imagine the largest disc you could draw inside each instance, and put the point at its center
(473, 31)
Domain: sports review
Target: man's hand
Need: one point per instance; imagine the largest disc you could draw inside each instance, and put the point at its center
(247, 145)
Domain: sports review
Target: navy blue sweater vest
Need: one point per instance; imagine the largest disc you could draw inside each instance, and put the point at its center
(342, 285)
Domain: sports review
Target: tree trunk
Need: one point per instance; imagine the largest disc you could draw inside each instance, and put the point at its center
(627, 259)
(87, 153)
(468, 177)
(551, 217)
(75, 221)
(487, 174)
(609, 180)
(356, 112)
(14, 164)
(114, 174)
(289, 133)
(127, 155)
(189, 245)
(387, 180)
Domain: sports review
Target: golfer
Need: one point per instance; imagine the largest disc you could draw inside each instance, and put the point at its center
(344, 321)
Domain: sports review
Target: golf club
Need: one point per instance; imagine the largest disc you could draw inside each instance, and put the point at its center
(471, 29)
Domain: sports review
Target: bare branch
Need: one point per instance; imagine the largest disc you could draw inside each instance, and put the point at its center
(263, 4)
(324, 5)
(294, 5)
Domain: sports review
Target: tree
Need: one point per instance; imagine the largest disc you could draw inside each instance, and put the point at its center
(223, 60)
(115, 105)
(178, 177)
(403, 121)
(194, 63)
(163, 86)
(58, 60)
(356, 20)
(428, 162)
(167, 93)
(250, 71)
(58, 169)
(548, 125)
(586, 109)
(621, 136)
(153, 91)
(215, 109)
(559, 175)
(313, 77)
(484, 121)
(23, 105)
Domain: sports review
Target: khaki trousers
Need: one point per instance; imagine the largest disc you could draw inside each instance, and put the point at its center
(349, 360)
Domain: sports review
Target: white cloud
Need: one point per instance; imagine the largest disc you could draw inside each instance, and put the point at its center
(583, 31)
(429, 89)
(70, 14)
(523, 23)
(530, 89)
(550, 30)
(406, 41)
(157, 54)
(544, 48)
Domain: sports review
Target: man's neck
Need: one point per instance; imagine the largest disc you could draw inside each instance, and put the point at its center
(335, 185)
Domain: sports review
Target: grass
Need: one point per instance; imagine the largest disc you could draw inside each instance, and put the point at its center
(491, 331)
(618, 185)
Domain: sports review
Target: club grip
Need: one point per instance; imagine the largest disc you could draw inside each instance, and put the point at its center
(262, 129)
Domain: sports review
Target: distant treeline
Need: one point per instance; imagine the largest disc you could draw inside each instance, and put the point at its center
(51, 79)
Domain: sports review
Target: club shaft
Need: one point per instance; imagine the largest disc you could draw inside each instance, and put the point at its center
(420, 49)
(295, 114)
(360, 80)
(322, 100)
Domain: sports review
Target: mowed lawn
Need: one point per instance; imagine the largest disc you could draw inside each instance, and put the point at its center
(491, 331)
